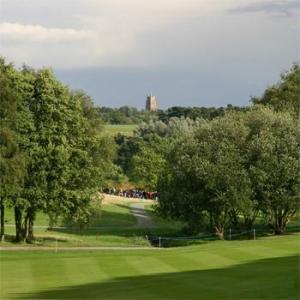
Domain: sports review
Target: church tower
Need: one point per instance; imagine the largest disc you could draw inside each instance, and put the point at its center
(151, 103)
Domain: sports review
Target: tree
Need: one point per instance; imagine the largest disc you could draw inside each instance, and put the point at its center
(147, 165)
(237, 165)
(66, 166)
(16, 126)
(204, 179)
(155, 139)
(274, 160)
(66, 156)
(285, 95)
(11, 159)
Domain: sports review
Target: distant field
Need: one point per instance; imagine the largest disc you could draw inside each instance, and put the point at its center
(122, 129)
(263, 269)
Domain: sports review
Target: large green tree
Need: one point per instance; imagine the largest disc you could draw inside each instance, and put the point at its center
(11, 160)
(274, 165)
(16, 126)
(64, 170)
(232, 167)
(205, 180)
(53, 155)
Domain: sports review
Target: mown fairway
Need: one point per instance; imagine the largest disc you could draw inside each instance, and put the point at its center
(262, 269)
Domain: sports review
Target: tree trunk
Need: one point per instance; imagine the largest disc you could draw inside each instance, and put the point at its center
(280, 223)
(25, 228)
(248, 223)
(234, 218)
(30, 217)
(2, 208)
(219, 232)
(18, 224)
(279, 226)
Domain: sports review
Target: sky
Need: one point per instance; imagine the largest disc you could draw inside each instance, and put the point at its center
(186, 52)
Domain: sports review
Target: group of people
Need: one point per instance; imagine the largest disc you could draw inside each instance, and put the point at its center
(131, 193)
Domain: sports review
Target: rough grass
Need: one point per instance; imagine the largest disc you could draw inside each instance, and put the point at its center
(112, 224)
(263, 269)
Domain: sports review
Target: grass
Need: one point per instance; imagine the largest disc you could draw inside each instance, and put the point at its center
(267, 268)
(122, 129)
(108, 214)
(112, 224)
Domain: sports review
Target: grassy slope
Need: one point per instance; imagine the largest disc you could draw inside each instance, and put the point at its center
(105, 215)
(261, 269)
(122, 129)
(110, 217)
(116, 228)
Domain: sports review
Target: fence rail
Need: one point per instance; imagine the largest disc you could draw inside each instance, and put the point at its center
(228, 235)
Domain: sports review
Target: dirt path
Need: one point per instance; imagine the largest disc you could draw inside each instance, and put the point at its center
(143, 219)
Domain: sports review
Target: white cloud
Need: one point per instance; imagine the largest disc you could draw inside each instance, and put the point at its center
(116, 33)
(60, 47)
(37, 33)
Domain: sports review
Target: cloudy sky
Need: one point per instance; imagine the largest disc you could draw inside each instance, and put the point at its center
(186, 52)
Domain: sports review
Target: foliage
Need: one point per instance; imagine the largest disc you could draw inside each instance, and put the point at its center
(193, 113)
(235, 165)
(285, 95)
(153, 142)
(66, 157)
(274, 165)
(131, 115)
(12, 160)
(147, 164)
(124, 115)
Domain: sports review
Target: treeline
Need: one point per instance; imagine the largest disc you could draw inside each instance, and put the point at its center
(229, 171)
(123, 115)
(193, 113)
(275, 96)
(53, 158)
(131, 115)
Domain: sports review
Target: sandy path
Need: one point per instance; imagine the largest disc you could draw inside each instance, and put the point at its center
(143, 219)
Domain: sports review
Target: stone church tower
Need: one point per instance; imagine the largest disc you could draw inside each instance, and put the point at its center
(151, 103)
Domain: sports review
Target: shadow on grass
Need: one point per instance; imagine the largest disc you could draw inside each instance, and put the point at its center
(106, 222)
(118, 224)
(275, 278)
(108, 218)
(130, 231)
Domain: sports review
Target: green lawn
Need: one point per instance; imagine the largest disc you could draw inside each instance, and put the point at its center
(110, 225)
(104, 215)
(122, 129)
(263, 269)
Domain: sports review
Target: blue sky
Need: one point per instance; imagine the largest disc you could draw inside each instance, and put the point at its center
(186, 52)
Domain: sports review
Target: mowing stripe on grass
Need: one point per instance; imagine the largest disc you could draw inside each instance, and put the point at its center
(217, 270)
(151, 265)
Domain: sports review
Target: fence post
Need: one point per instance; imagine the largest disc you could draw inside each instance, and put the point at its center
(159, 242)
(254, 234)
(230, 234)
